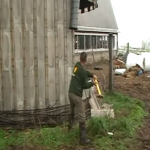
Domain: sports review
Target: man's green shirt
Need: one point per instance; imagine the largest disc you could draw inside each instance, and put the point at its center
(79, 80)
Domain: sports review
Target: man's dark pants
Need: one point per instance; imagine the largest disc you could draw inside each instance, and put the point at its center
(78, 114)
(77, 110)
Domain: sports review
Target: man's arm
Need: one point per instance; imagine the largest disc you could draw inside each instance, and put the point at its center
(84, 82)
(89, 74)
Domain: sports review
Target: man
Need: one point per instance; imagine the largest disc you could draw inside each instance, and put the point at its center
(77, 84)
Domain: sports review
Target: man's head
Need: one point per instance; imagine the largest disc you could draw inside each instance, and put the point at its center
(83, 57)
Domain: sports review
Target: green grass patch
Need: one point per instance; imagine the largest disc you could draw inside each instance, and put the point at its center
(129, 115)
(49, 138)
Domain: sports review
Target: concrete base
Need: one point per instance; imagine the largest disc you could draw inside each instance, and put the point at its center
(105, 110)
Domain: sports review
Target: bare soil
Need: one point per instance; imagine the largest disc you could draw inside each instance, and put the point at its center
(136, 87)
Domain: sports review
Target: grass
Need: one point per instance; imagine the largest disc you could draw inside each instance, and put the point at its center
(49, 138)
(129, 115)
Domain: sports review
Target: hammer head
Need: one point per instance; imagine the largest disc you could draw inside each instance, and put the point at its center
(99, 96)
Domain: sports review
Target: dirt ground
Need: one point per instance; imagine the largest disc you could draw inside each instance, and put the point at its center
(137, 87)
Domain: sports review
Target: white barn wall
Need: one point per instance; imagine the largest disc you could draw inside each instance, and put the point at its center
(36, 53)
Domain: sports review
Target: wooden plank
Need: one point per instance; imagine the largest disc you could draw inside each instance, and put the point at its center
(19, 90)
(41, 53)
(51, 52)
(29, 46)
(68, 13)
(56, 51)
(7, 54)
(69, 56)
(86, 94)
(46, 55)
(69, 47)
(69, 78)
(61, 48)
(23, 48)
(1, 97)
(70, 37)
(28, 15)
(35, 53)
(6, 15)
(50, 15)
(30, 79)
(65, 54)
(94, 100)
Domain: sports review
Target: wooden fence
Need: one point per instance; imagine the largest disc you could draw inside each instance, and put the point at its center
(123, 49)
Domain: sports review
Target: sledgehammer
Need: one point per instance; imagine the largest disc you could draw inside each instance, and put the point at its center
(98, 89)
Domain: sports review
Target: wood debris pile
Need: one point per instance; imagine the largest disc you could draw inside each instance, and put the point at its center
(117, 63)
(133, 72)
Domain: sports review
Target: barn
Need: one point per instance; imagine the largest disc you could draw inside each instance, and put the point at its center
(36, 59)
(93, 30)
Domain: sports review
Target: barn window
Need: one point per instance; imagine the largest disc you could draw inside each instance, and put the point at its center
(87, 42)
(76, 42)
(93, 41)
(80, 41)
(105, 42)
(99, 42)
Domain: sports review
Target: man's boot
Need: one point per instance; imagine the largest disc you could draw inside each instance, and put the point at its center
(70, 124)
(83, 137)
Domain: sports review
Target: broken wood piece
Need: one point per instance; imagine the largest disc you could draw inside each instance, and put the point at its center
(97, 68)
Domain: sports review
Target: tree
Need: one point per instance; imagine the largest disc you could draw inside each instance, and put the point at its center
(146, 45)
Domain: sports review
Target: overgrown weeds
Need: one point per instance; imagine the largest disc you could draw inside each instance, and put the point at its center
(129, 115)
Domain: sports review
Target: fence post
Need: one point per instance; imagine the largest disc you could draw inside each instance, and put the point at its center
(117, 45)
(127, 48)
(110, 62)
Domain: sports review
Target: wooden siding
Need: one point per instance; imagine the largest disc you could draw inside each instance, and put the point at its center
(36, 53)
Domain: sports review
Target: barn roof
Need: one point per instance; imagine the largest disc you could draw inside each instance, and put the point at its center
(102, 17)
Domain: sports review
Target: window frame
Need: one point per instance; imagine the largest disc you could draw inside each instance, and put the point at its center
(96, 48)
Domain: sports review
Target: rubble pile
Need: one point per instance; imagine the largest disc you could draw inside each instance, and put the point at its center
(133, 72)
(136, 65)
